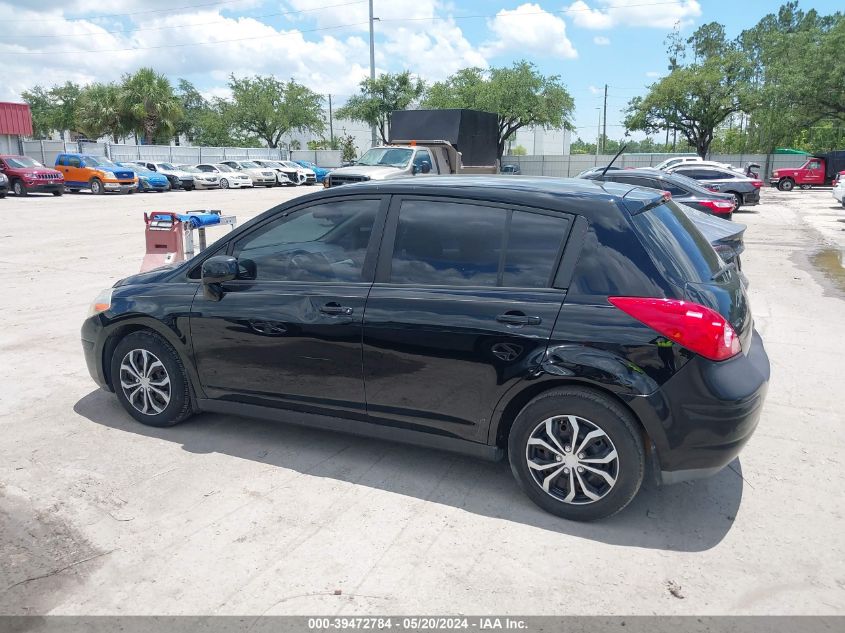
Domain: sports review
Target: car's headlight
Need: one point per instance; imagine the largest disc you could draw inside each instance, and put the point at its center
(101, 302)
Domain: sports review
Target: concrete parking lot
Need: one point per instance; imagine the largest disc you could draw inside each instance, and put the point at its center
(225, 515)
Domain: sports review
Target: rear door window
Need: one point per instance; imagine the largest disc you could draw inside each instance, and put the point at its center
(675, 245)
(464, 244)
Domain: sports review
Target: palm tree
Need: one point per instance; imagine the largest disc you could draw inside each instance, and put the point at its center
(99, 112)
(149, 100)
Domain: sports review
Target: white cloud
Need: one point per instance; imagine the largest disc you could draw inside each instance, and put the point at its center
(529, 28)
(653, 74)
(595, 90)
(601, 40)
(610, 13)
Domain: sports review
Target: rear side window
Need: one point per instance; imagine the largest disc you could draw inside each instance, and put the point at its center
(676, 246)
(462, 244)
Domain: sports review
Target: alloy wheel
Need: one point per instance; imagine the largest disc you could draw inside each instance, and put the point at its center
(572, 459)
(145, 382)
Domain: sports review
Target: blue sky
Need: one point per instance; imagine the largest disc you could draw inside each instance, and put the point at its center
(323, 43)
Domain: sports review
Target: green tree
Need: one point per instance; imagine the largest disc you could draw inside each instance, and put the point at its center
(695, 99)
(323, 143)
(267, 108)
(41, 106)
(99, 111)
(348, 151)
(194, 107)
(518, 94)
(150, 104)
(379, 97)
(64, 100)
(799, 70)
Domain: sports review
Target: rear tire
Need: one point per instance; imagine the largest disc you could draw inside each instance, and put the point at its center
(737, 199)
(150, 380)
(563, 477)
(787, 184)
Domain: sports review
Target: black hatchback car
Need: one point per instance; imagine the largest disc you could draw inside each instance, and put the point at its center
(586, 330)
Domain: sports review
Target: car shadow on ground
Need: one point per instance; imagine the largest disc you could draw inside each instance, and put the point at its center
(692, 516)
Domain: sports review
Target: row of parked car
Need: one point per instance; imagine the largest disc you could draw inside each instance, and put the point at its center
(23, 175)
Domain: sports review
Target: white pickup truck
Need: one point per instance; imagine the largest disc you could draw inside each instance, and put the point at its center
(456, 142)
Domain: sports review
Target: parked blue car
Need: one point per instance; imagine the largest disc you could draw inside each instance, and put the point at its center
(320, 172)
(148, 180)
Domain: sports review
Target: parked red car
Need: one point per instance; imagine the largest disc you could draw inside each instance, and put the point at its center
(26, 175)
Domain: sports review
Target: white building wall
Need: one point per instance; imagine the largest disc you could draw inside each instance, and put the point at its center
(8, 144)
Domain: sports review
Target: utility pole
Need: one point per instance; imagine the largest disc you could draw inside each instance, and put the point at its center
(373, 140)
(598, 135)
(331, 127)
(604, 129)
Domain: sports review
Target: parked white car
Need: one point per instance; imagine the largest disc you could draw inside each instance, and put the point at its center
(178, 178)
(306, 176)
(669, 163)
(229, 178)
(260, 175)
(839, 188)
(285, 175)
(202, 180)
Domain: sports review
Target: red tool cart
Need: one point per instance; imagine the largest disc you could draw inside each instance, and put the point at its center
(170, 235)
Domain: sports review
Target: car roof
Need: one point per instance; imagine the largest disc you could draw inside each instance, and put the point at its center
(573, 195)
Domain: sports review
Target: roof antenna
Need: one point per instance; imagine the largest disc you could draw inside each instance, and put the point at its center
(622, 149)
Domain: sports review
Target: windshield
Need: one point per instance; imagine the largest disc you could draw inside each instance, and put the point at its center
(290, 165)
(387, 156)
(189, 169)
(270, 163)
(22, 162)
(167, 166)
(137, 168)
(100, 161)
(248, 164)
(224, 168)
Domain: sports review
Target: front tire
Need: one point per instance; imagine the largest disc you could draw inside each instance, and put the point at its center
(787, 184)
(150, 380)
(19, 189)
(577, 454)
(96, 187)
(224, 184)
(58, 193)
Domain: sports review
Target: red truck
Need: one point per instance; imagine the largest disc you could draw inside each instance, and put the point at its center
(818, 170)
(27, 175)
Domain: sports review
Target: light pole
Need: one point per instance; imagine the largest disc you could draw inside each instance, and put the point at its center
(373, 140)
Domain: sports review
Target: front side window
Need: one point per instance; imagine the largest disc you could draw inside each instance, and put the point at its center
(422, 157)
(814, 165)
(321, 243)
(464, 244)
(73, 161)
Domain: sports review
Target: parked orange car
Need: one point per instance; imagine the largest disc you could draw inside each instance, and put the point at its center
(97, 173)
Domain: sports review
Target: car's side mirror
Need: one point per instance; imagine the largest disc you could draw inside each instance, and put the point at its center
(425, 167)
(215, 271)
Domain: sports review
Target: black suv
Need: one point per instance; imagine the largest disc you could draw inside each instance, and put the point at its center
(587, 330)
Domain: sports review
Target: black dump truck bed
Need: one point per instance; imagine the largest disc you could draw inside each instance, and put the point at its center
(834, 163)
(472, 132)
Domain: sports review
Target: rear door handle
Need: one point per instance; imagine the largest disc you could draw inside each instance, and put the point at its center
(517, 318)
(335, 309)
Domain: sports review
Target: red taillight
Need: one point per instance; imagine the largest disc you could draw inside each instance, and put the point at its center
(696, 327)
(757, 183)
(718, 206)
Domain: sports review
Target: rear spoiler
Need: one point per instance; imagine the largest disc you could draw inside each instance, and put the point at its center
(640, 199)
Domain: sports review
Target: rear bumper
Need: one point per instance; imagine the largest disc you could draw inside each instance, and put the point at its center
(752, 197)
(703, 416)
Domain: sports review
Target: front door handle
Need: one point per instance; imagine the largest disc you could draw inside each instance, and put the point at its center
(335, 309)
(518, 318)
